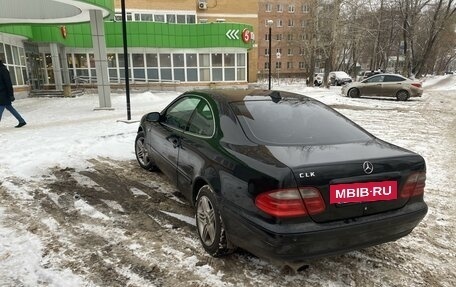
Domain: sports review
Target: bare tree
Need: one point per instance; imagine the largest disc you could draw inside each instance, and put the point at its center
(441, 13)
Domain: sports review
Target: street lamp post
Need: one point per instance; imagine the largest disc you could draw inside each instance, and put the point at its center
(278, 67)
(269, 52)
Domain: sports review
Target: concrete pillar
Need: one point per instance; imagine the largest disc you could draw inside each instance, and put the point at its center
(101, 58)
(65, 72)
(65, 69)
(56, 66)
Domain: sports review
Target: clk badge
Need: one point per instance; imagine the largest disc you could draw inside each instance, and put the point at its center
(307, 174)
(368, 167)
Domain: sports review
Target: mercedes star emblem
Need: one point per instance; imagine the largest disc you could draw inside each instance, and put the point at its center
(368, 167)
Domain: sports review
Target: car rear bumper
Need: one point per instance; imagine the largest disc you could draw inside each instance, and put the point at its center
(417, 93)
(325, 239)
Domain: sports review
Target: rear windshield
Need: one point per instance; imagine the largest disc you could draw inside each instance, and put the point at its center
(295, 123)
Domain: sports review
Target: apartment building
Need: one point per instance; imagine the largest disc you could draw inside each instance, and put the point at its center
(291, 24)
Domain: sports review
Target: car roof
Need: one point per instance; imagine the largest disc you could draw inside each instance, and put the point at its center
(340, 73)
(239, 95)
(388, 74)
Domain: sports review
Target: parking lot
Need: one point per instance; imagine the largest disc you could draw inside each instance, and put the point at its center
(77, 210)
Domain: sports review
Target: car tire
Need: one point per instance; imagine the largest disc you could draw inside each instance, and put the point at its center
(402, 95)
(210, 225)
(142, 156)
(353, 93)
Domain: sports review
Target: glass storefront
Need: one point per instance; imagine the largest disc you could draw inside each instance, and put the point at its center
(163, 67)
(14, 59)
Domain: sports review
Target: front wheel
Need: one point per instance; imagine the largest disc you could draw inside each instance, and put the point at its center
(402, 95)
(209, 223)
(142, 155)
(353, 93)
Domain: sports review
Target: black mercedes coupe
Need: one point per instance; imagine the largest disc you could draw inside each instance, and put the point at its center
(281, 175)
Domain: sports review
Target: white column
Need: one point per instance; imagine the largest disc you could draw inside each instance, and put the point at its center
(101, 58)
(56, 66)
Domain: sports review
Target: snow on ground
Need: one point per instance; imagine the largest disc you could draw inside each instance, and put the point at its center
(68, 132)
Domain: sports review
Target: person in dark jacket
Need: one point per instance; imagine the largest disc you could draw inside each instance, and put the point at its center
(7, 95)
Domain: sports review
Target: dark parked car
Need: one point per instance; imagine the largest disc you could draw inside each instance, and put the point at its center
(282, 175)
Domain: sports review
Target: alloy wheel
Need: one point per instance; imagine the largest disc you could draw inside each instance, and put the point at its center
(206, 220)
(141, 152)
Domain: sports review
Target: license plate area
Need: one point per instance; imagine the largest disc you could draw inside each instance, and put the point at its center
(347, 193)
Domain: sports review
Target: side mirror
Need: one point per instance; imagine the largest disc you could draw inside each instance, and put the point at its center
(153, 117)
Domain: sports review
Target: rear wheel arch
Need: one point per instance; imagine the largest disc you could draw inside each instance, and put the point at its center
(402, 95)
(199, 182)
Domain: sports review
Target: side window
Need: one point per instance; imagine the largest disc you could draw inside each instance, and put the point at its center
(377, 79)
(202, 121)
(390, 78)
(177, 115)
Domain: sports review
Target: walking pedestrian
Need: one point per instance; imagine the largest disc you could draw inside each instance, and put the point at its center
(7, 95)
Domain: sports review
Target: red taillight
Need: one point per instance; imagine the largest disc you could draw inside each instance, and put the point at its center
(291, 202)
(312, 199)
(414, 185)
(418, 85)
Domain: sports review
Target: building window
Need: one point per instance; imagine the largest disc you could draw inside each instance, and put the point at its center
(181, 19)
(302, 65)
(266, 37)
(266, 52)
(301, 51)
(305, 8)
(291, 8)
(170, 18)
(266, 65)
(139, 73)
(278, 51)
(146, 17)
(157, 16)
(279, 8)
(229, 64)
(179, 67)
(279, 23)
(278, 65)
(290, 52)
(304, 37)
(191, 19)
(192, 67)
(290, 23)
(289, 65)
(15, 63)
(268, 7)
(152, 67)
(290, 37)
(241, 67)
(166, 73)
(279, 37)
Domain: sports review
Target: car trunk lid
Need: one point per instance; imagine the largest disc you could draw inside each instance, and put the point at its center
(342, 168)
